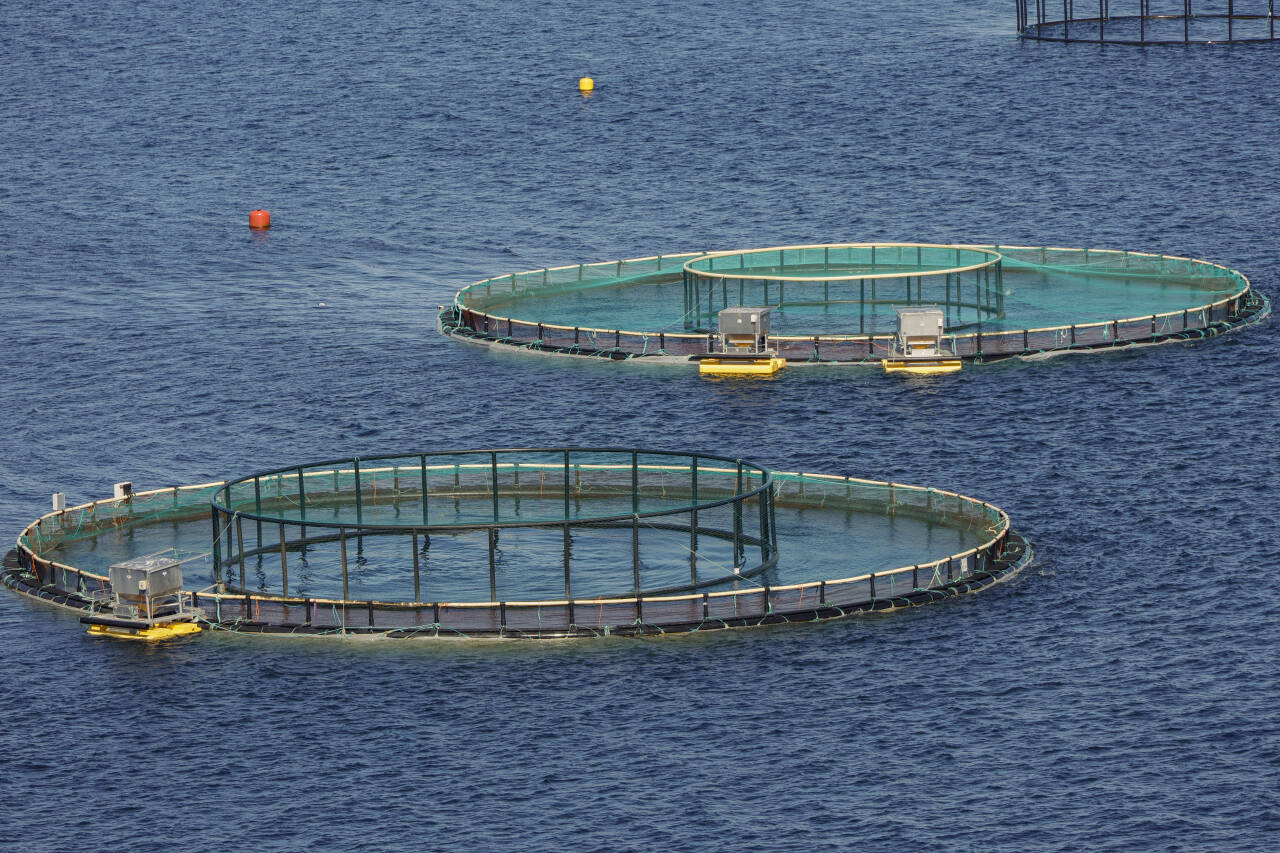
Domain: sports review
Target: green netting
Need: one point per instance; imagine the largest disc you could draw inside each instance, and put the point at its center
(124, 516)
(572, 279)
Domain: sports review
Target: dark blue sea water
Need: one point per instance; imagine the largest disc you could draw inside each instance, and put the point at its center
(1121, 694)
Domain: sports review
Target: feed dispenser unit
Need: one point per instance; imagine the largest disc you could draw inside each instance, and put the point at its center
(742, 346)
(919, 346)
(145, 602)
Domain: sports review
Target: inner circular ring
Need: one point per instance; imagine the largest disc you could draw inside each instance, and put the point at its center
(484, 488)
(841, 262)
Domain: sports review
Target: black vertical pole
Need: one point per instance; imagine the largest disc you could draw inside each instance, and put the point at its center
(257, 503)
(697, 302)
(417, 589)
(635, 555)
(635, 482)
(423, 461)
(764, 528)
(737, 520)
(693, 527)
(862, 305)
(284, 563)
(359, 498)
(773, 521)
(568, 592)
(240, 549)
(493, 567)
(566, 485)
(684, 279)
(342, 538)
(217, 546)
(493, 472)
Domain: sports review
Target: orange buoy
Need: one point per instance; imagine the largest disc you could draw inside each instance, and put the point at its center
(259, 219)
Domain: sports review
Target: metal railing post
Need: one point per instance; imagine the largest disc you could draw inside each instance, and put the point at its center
(342, 538)
(240, 548)
(568, 593)
(493, 463)
(493, 566)
(284, 563)
(422, 459)
(217, 546)
(359, 498)
(635, 553)
(417, 591)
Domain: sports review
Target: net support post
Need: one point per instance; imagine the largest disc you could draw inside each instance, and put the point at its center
(493, 565)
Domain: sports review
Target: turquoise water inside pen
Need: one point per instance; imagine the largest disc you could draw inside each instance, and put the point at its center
(1120, 695)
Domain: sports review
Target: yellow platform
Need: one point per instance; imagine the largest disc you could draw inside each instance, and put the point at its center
(170, 631)
(740, 367)
(921, 366)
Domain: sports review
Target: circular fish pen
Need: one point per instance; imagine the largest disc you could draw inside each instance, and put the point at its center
(539, 543)
(1143, 22)
(836, 303)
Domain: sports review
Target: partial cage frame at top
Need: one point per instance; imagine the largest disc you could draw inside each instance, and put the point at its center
(1203, 21)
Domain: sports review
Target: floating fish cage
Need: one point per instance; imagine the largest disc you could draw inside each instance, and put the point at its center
(1142, 22)
(548, 543)
(839, 303)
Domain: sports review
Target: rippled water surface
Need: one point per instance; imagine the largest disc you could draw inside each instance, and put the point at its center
(1119, 695)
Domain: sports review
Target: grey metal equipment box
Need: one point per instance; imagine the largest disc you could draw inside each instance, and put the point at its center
(919, 322)
(146, 577)
(744, 320)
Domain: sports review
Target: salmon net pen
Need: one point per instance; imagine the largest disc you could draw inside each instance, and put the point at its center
(840, 303)
(547, 543)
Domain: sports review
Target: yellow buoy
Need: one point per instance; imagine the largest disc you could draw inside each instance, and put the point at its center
(586, 84)
(740, 367)
(922, 366)
(168, 631)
